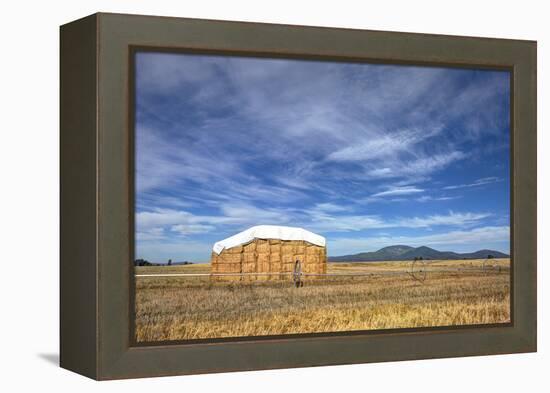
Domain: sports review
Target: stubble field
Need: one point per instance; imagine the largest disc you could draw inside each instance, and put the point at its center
(462, 292)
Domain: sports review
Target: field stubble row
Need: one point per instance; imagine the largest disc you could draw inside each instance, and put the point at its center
(180, 308)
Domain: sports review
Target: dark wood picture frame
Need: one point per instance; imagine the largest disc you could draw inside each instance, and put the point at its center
(97, 196)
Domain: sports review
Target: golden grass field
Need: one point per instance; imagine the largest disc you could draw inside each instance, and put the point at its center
(181, 308)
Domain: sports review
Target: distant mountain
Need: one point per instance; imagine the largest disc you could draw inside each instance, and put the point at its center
(483, 254)
(395, 250)
(429, 253)
(384, 254)
(404, 253)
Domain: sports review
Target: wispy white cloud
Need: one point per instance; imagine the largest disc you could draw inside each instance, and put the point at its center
(428, 198)
(329, 207)
(200, 172)
(161, 221)
(344, 223)
(352, 223)
(190, 229)
(325, 218)
(450, 219)
(398, 191)
(476, 183)
(249, 214)
(414, 166)
(383, 145)
(155, 233)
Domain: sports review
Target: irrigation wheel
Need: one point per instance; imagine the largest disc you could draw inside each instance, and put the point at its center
(418, 270)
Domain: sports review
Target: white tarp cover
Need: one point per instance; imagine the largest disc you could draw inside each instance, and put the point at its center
(268, 232)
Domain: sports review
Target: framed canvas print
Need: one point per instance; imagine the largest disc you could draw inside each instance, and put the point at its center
(241, 196)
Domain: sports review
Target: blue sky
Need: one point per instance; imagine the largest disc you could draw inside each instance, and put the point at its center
(366, 155)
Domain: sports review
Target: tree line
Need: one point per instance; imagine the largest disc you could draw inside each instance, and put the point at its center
(144, 262)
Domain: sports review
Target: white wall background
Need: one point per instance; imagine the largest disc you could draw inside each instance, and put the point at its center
(29, 193)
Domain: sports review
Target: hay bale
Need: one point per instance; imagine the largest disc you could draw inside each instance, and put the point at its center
(287, 267)
(287, 258)
(214, 259)
(229, 258)
(288, 248)
(234, 250)
(248, 267)
(269, 256)
(262, 258)
(311, 259)
(312, 250)
(228, 268)
(262, 247)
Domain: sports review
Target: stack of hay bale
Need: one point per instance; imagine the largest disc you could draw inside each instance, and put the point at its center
(269, 249)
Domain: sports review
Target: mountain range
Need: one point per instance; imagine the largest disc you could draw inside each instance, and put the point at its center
(403, 253)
